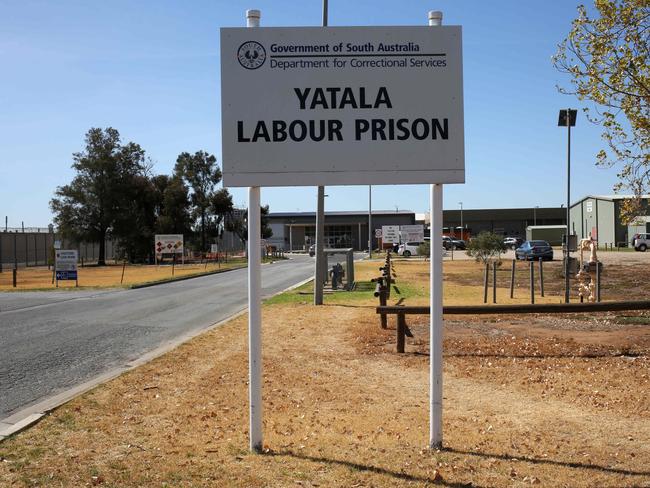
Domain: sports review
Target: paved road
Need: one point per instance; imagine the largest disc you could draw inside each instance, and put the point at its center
(51, 341)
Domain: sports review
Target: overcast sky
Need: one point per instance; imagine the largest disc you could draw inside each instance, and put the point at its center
(151, 70)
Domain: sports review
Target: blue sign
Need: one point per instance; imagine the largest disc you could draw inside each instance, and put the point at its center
(66, 275)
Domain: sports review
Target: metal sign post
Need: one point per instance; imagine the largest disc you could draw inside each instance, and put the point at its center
(254, 299)
(435, 302)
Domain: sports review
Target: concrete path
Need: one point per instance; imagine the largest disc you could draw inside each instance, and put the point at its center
(53, 341)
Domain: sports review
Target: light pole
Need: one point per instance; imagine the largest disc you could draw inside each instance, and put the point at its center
(567, 118)
(291, 236)
(462, 229)
(320, 268)
(370, 230)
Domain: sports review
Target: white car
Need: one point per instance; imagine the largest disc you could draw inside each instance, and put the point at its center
(407, 249)
(641, 242)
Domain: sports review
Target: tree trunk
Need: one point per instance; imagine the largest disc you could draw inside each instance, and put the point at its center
(102, 248)
(202, 230)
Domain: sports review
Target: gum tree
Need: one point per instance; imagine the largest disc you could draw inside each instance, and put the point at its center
(606, 58)
(100, 196)
(201, 173)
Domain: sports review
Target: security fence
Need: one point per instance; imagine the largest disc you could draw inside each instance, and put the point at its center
(21, 249)
(35, 247)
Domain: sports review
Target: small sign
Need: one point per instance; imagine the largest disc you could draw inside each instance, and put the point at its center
(57, 244)
(214, 248)
(65, 264)
(390, 234)
(590, 206)
(378, 233)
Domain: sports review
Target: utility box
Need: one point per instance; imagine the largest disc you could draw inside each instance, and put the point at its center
(573, 242)
(573, 267)
(333, 257)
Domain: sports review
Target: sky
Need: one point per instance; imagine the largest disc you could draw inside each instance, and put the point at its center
(150, 69)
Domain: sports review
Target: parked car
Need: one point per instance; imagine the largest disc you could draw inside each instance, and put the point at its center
(533, 250)
(641, 242)
(449, 243)
(407, 249)
(512, 242)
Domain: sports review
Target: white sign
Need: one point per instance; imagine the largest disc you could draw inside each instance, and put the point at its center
(590, 206)
(214, 248)
(412, 233)
(65, 264)
(390, 234)
(342, 105)
(57, 244)
(168, 244)
(65, 260)
(378, 233)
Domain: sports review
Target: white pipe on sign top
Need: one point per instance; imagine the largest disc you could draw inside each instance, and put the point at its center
(254, 299)
(435, 329)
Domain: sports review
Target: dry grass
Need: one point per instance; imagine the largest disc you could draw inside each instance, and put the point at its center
(39, 278)
(532, 401)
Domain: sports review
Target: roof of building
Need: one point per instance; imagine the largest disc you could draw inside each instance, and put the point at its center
(610, 198)
(313, 214)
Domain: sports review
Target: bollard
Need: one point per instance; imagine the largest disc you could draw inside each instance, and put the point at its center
(494, 282)
(382, 302)
(598, 266)
(15, 277)
(532, 282)
(512, 280)
(123, 267)
(541, 277)
(401, 331)
(380, 292)
(485, 282)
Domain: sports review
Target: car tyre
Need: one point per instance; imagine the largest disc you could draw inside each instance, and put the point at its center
(407, 254)
(643, 247)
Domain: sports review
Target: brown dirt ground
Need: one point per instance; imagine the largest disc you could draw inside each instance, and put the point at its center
(528, 400)
(105, 276)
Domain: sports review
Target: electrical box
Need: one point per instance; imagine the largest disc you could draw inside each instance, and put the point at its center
(573, 242)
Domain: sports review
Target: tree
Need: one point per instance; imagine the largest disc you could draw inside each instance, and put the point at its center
(99, 194)
(172, 205)
(201, 173)
(607, 59)
(221, 207)
(134, 225)
(239, 224)
(486, 247)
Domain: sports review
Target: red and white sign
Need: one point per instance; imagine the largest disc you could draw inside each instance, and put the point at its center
(168, 244)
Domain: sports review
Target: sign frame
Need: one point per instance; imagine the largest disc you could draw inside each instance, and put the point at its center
(351, 132)
(169, 244)
(65, 266)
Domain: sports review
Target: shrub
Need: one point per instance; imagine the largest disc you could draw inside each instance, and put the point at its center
(486, 247)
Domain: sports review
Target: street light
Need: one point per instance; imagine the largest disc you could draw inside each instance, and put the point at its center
(567, 118)
(370, 230)
(462, 231)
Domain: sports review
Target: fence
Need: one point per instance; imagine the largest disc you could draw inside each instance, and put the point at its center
(22, 249)
(33, 247)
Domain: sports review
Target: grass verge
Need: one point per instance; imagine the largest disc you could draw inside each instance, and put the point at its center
(528, 401)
